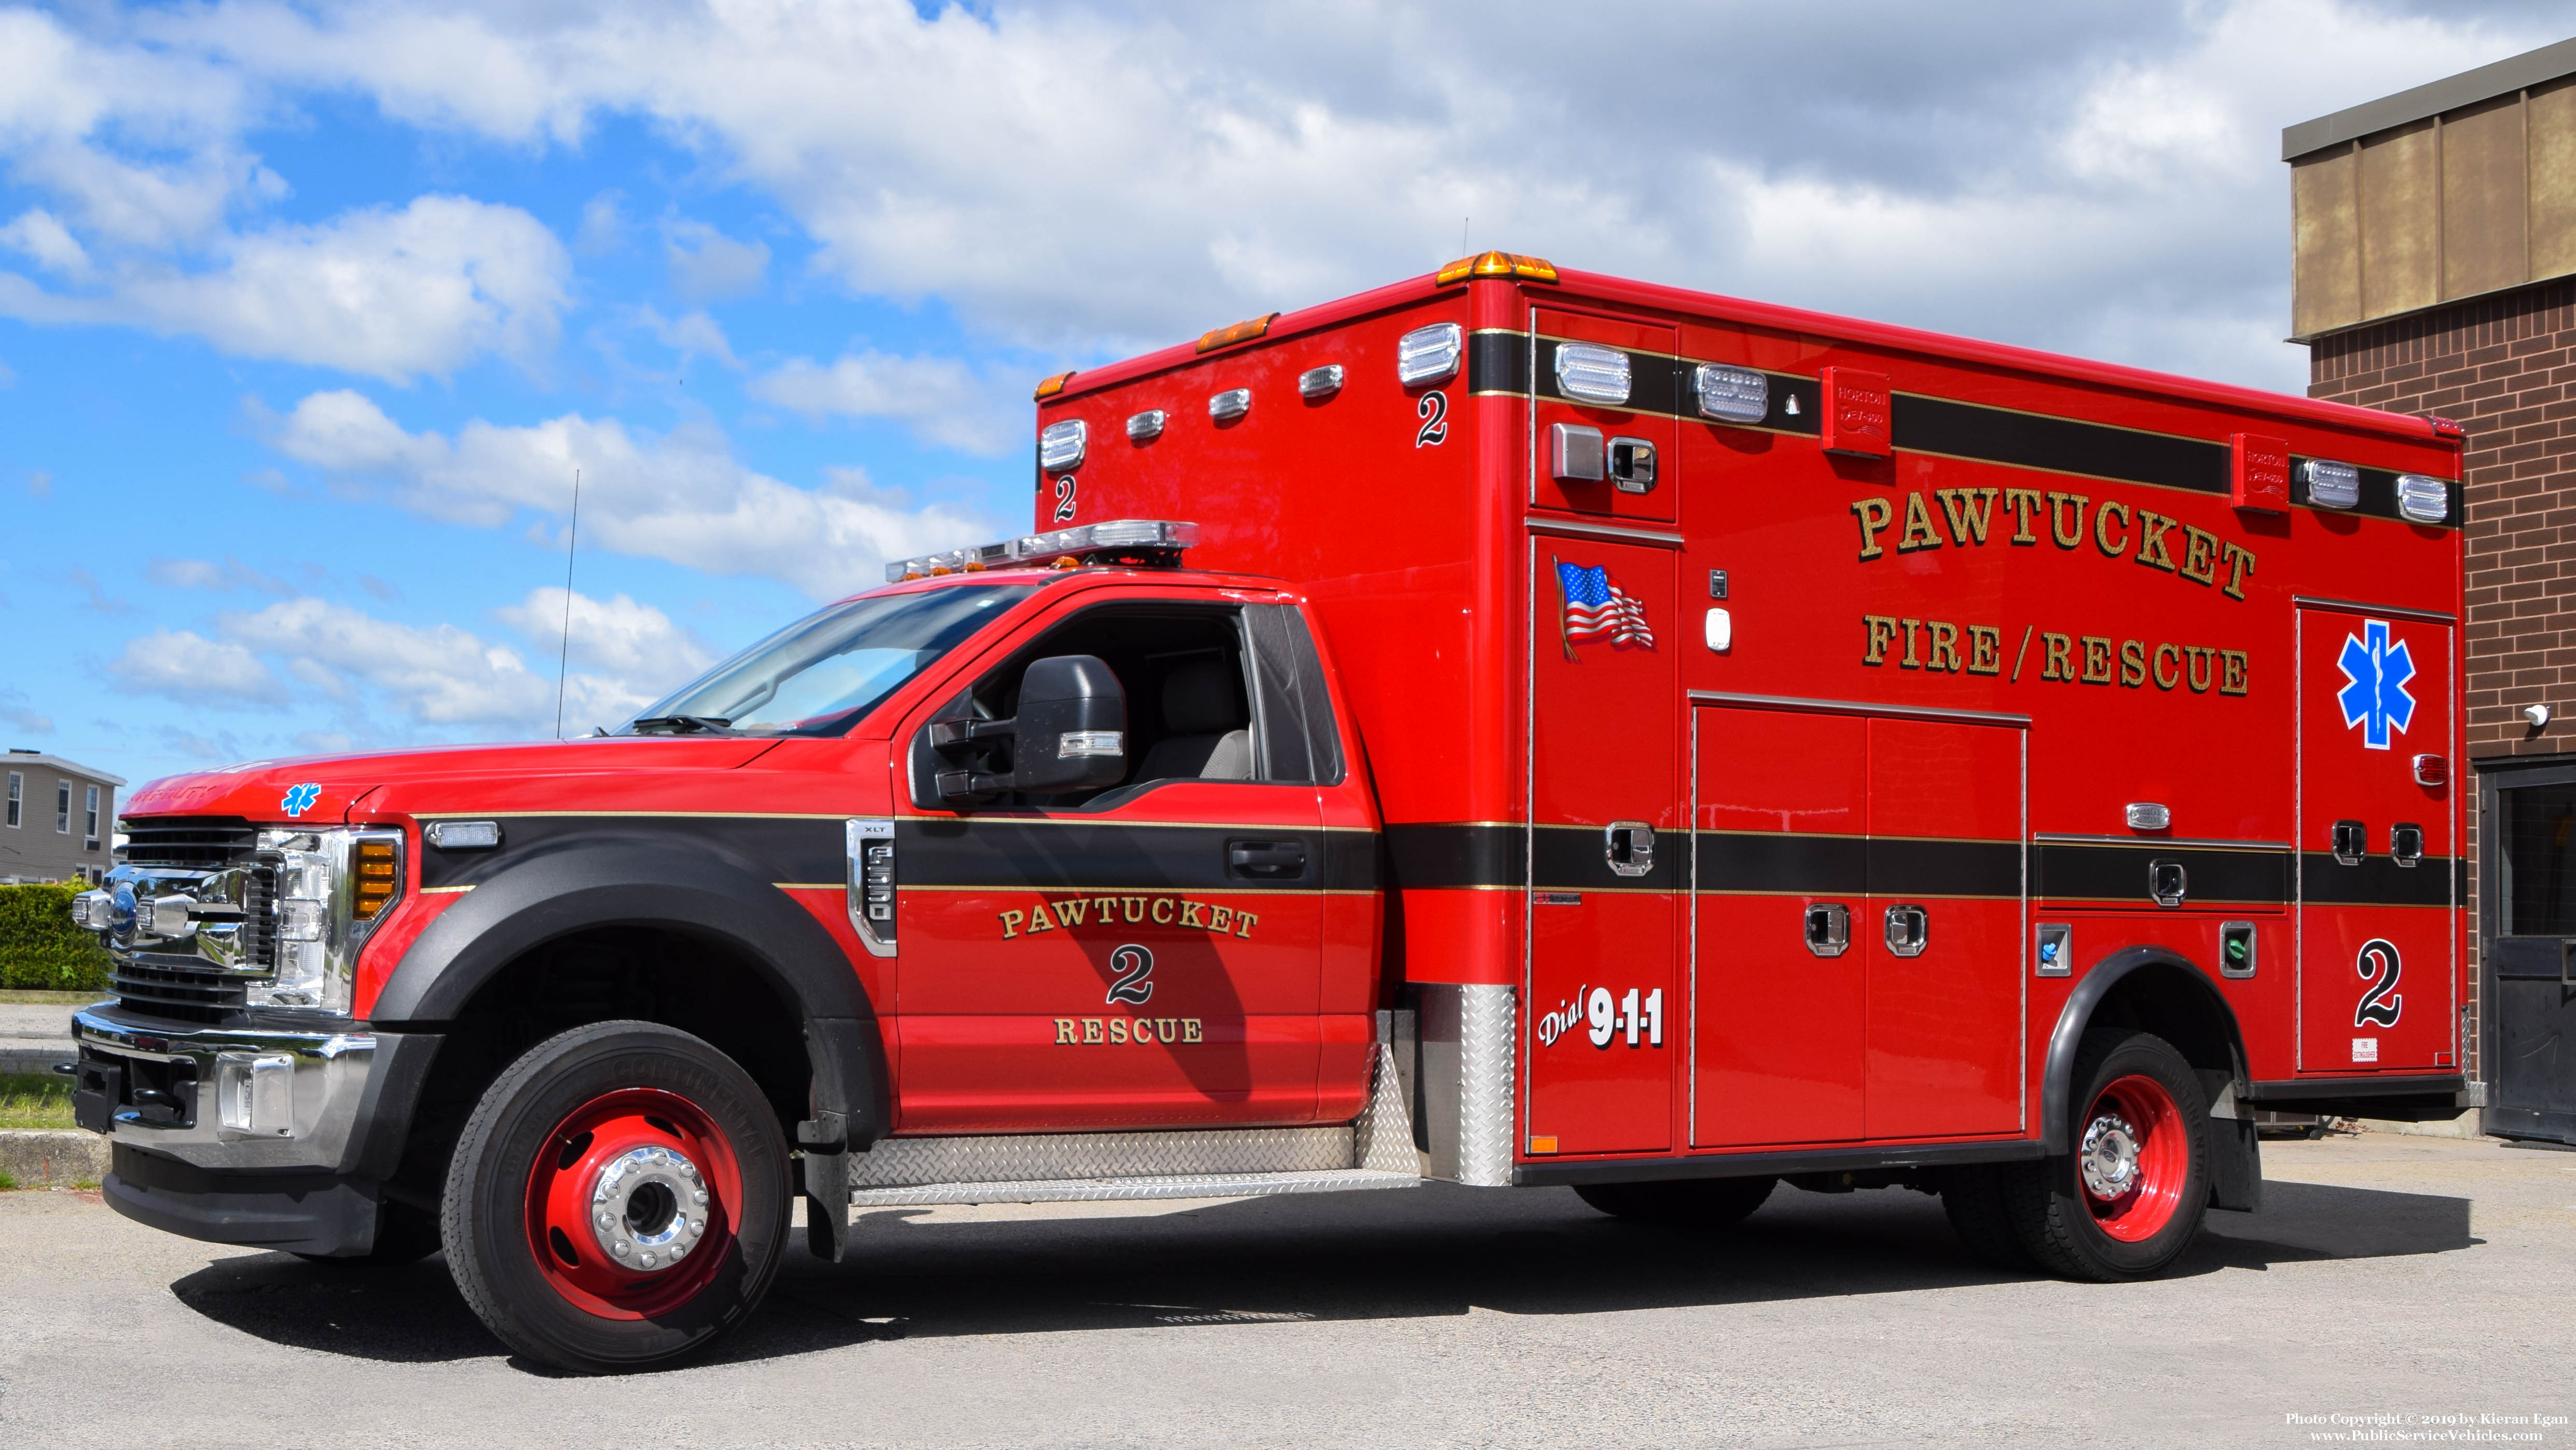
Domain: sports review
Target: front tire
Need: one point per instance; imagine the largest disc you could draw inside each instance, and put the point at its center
(1680, 1202)
(2133, 1194)
(619, 1199)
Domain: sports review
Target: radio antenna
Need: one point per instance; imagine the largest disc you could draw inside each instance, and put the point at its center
(563, 655)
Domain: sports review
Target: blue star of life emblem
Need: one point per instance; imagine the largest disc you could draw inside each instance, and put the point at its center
(2377, 669)
(299, 799)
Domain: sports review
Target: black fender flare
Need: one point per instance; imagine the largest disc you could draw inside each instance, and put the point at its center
(2057, 1079)
(607, 879)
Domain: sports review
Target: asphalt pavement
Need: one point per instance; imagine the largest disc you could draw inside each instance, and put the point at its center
(2384, 1276)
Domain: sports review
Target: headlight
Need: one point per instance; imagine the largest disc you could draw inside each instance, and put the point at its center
(332, 888)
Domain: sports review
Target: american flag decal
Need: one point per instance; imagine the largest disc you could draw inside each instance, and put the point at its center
(1595, 608)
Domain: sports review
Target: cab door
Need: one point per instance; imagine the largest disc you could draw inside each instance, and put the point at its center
(2378, 986)
(1146, 958)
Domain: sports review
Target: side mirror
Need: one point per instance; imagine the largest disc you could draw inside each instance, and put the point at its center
(1072, 727)
(1070, 734)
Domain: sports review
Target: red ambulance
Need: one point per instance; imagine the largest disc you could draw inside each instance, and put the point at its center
(1515, 727)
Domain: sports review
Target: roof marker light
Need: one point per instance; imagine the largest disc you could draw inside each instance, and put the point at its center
(1592, 374)
(2422, 498)
(1229, 405)
(1320, 382)
(1145, 427)
(1060, 445)
(1496, 264)
(2331, 485)
(1244, 331)
(1429, 354)
(1052, 386)
(1732, 395)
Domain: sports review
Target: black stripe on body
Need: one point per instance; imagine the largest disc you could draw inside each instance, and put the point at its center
(2376, 881)
(2117, 871)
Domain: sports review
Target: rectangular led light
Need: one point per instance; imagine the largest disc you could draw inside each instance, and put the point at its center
(1146, 426)
(1429, 354)
(1320, 382)
(1060, 445)
(1592, 374)
(463, 835)
(1231, 404)
(2423, 498)
(2331, 485)
(1732, 395)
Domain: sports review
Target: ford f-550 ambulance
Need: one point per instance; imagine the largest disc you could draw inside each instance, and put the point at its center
(1516, 727)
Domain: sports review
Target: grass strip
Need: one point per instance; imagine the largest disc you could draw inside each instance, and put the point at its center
(35, 1100)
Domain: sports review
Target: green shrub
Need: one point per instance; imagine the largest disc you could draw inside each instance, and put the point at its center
(39, 946)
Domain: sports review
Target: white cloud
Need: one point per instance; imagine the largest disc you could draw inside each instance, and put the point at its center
(14, 713)
(439, 675)
(680, 496)
(42, 236)
(192, 670)
(390, 680)
(691, 334)
(385, 293)
(936, 397)
(629, 647)
(1108, 177)
(706, 265)
(206, 574)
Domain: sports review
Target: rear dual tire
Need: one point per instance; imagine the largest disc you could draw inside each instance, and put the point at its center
(618, 1199)
(2132, 1195)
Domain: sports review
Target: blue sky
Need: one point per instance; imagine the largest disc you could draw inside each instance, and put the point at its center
(309, 313)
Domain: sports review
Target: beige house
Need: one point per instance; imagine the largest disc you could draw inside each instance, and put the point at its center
(59, 820)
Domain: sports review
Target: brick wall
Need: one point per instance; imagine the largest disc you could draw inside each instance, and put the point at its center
(2504, 368)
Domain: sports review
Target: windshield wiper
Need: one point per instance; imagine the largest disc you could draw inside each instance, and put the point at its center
(682, 725)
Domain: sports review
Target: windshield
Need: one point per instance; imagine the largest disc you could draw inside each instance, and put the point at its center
(819, 675)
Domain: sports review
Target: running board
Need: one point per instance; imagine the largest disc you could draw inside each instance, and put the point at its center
(1102, 1190)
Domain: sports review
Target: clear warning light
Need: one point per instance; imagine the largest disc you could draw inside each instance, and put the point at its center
(1429, 354)
(2331, 485)
(1732, 395)
(2423, 498)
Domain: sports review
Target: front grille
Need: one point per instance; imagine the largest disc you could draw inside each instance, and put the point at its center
(177, 987)
(202, 843)
(159, 989)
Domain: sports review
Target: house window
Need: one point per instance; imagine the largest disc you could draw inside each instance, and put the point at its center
(90, 829)
(63, 807)
(17, 792)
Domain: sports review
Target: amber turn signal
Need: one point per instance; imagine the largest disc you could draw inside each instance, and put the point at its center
(376, 883)
(1244, 331)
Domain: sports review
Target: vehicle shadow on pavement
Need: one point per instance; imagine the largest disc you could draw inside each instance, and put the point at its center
(1433, 1251)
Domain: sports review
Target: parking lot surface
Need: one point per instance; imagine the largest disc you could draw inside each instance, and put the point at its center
(2385, 1275)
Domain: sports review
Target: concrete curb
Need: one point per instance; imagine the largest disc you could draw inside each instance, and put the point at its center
(53, 1159)
(36, 1059)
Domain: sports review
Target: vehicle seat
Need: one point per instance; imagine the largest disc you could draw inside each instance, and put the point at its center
(1203, 708)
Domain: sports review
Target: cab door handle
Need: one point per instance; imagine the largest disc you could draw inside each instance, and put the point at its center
(1266, 860)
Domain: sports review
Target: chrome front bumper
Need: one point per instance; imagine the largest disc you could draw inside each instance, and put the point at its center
(329, 1074)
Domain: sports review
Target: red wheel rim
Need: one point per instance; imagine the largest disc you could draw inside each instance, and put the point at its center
(2133, 1157)
(651, 1151)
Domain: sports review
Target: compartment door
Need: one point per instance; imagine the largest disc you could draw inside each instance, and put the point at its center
(1606, 849)
(2378, 982)
(1779, 815)
(1944, 937)
(1574, 389)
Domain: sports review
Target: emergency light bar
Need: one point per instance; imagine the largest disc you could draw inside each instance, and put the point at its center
(1155, 543)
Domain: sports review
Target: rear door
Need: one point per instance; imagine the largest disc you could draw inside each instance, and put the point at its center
(2377, 975)
(1606, 851)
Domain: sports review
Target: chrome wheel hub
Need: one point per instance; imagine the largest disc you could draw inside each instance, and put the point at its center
(648, 1208)
(2108, 1158)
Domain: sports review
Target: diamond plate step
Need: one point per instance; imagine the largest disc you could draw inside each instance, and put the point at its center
(1097, 1190)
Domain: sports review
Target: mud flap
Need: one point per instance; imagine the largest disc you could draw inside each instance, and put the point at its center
(2235, 1165)
(827, 1205)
